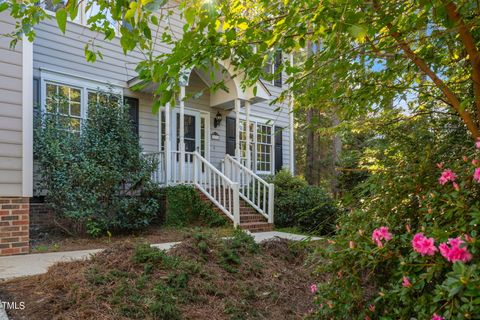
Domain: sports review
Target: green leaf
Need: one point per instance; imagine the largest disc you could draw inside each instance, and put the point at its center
(155, 5)
(61, 16)
(359, 32)
(190, 15)
(3, 6)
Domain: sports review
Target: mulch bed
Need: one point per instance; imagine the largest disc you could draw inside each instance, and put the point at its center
(202, 278)
(57, 241)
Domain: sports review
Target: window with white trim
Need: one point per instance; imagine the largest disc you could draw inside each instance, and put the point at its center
(84, 12)
(261, 136)
(65, 102)
(264, 148)
(69, 98)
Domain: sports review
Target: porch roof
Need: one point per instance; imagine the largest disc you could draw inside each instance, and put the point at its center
(220, 98)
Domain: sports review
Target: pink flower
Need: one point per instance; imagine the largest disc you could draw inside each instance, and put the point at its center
(456, 187)
(423, 245)
(371, 307)
(455, 250)
(477, 144)
(465, 158)
(474, 162)
(406, 282)
(447, 175)
(437, 317)
(313, 288)
(440, 165)
(380, 234)
(476, 175)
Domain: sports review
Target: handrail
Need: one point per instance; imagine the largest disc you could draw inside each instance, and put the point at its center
(253, 189)
(181, 168)
(221, 190)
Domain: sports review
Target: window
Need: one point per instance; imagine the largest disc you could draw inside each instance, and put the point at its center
(264, 148)
(84, 13)
(68, 98)
(273, 64)
(54, 5)
(261, 136)
(95, 9)
(101, 98)
(66, 102)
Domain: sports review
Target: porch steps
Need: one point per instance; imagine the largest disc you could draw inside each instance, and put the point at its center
(250, 219)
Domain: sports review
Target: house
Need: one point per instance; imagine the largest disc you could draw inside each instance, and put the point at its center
(201, 141)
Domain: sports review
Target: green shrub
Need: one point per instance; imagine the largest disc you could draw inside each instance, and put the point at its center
(93, 179)
(395, 281)
(299, 205)
(185, 207)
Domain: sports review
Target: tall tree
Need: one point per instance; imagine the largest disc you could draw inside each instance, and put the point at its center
(376, 50)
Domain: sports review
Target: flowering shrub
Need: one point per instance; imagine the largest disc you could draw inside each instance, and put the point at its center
(418, 259)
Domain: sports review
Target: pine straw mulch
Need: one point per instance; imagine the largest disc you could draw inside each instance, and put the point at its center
(201, 278)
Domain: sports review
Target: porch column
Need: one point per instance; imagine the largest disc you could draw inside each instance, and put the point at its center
(237, 129)
(167, 147)
(292, 137)
(247, 116)
(182, 134)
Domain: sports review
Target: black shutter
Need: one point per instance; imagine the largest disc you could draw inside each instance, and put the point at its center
(278, 149)
(36, 102)
(231, 135)
(278, 63)
(133, 110)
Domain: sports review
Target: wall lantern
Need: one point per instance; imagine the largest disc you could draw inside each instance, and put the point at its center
(217, 120)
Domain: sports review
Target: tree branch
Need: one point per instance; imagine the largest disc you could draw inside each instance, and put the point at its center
(423, 66)
(472, 51)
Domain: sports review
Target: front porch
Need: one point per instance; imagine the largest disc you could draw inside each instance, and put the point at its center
(203, 142)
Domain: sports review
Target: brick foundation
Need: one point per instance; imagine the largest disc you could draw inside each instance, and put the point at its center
(14, 225)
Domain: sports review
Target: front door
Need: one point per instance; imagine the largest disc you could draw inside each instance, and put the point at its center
(191, 140)
(191, 130)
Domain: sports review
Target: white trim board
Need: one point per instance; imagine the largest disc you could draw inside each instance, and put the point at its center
(27, 118)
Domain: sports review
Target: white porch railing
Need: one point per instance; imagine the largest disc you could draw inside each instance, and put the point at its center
(222, 191)
(253, 189)
(159, 175)
(182, 171)
(225, 188)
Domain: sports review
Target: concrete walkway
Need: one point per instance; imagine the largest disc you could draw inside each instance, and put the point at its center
(38, 263)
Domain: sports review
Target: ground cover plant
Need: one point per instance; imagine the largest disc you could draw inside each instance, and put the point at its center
(202, 278)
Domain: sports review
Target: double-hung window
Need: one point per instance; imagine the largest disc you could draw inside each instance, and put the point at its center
(273, 65)
(65, 102)
(84, 12)
(68, 98)
(261, 145)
